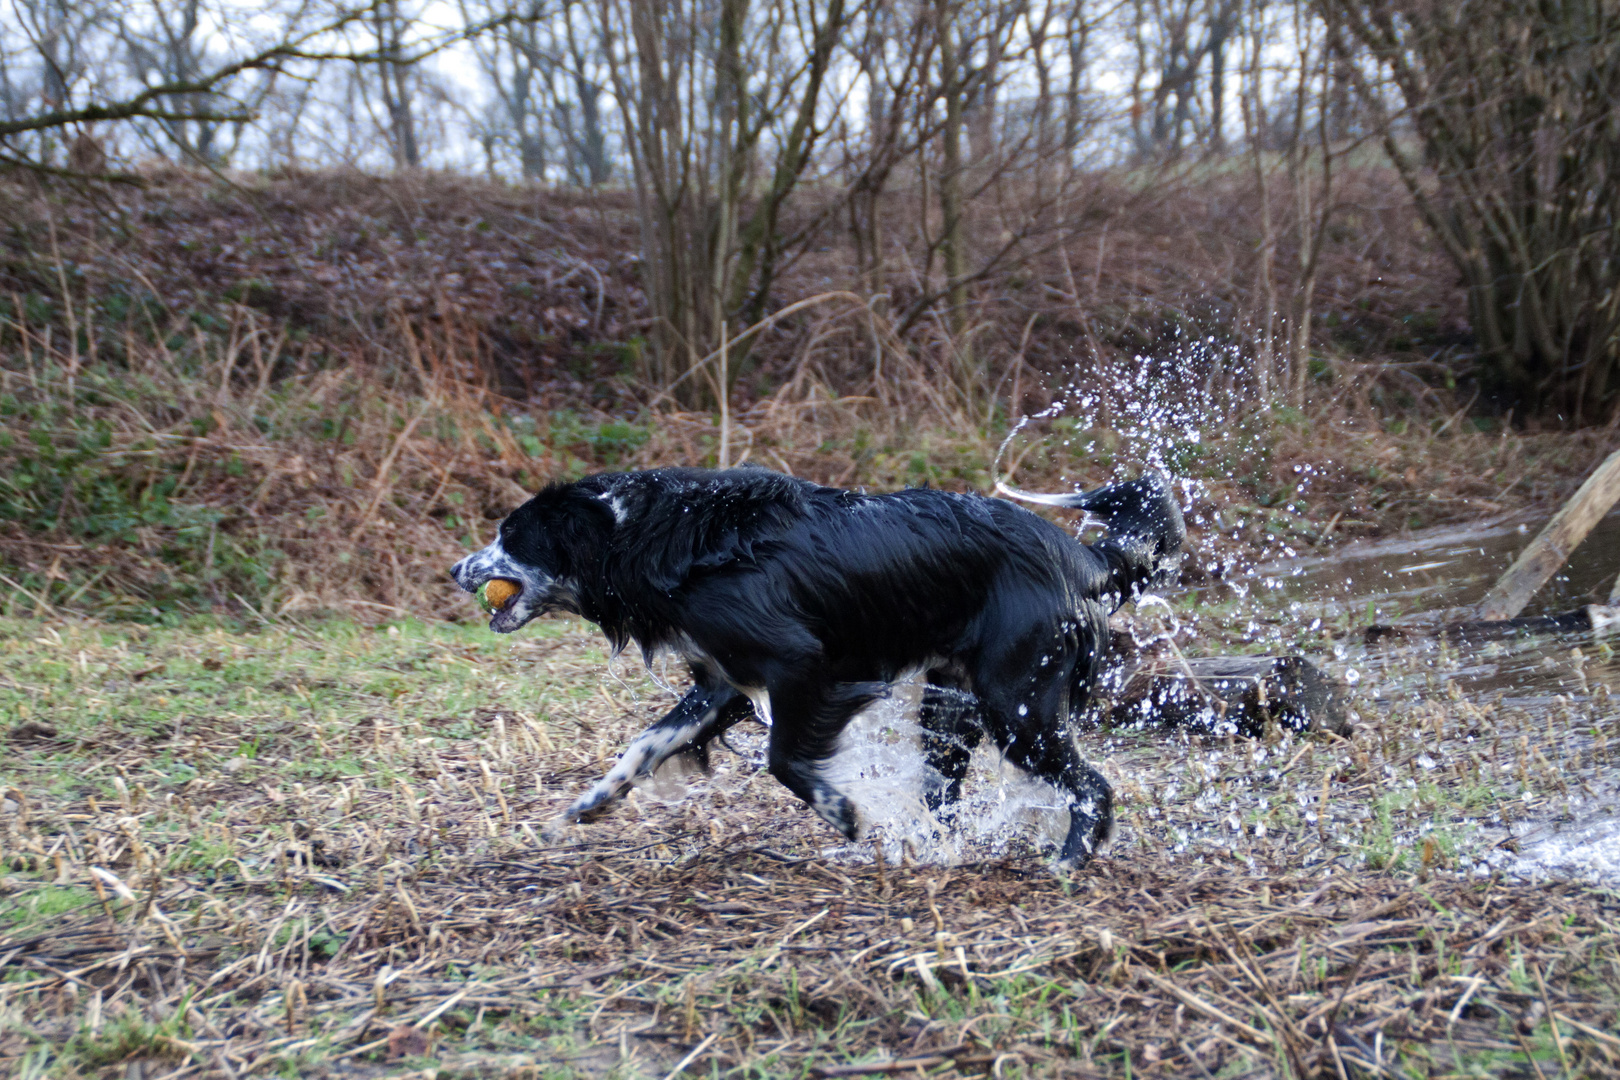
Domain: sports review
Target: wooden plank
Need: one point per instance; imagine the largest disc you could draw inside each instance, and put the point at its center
(1592, 617)
(1223, 694)
(1548, 551)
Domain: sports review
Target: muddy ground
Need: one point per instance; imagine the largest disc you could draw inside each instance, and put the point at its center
(324, 849)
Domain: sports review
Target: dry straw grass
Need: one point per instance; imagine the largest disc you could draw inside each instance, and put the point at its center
(323, 851)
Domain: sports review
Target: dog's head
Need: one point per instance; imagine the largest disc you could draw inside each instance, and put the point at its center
(541, 547)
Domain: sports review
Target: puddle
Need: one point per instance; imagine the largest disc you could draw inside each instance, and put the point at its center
(1316, 605)
(1438, 574)
(1542, 704)
(1500, 757)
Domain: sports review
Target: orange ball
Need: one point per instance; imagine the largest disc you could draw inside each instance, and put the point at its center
(498, 592)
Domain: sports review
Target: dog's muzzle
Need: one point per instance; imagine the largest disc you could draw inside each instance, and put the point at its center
(535, 586)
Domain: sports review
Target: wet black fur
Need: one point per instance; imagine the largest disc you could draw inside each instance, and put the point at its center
(824, 597)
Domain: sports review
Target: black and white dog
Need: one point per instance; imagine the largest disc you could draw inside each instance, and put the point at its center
(805, 603)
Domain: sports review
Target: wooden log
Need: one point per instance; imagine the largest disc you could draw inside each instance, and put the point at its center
(1225, 694)
(1222, 695)
(1549, 550)
(1592, 617)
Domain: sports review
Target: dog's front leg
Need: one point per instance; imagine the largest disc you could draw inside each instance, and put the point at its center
(701, 715)
(807, 718)
(949, 718)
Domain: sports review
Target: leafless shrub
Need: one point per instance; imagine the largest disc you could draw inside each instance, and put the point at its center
(1512, 108)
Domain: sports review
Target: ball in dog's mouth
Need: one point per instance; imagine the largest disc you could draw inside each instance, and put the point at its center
(496, 593)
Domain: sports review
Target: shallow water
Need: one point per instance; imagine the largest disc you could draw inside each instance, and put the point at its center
(1490, 757)
(1551, 696)
(1435, 575)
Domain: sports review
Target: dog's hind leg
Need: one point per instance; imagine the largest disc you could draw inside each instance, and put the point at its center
(951, 727)
(1048, 752)
(1026, 710)
(701, 715)
(806, 719)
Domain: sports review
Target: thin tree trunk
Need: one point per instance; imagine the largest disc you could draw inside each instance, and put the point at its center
(953, 245)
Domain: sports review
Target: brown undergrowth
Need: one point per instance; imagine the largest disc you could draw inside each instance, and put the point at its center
(188, 470)
(315, 391)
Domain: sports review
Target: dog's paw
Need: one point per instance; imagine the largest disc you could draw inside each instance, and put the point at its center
(1090, 835)
(1107, 832)
(593, 802)
(1070, 862)
(836, 810)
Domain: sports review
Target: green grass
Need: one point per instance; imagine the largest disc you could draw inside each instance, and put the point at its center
(203, 693)
(43, 906)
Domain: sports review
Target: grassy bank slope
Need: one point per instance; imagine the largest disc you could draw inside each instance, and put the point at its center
(312, 392)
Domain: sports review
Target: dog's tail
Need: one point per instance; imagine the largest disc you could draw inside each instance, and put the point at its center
(1145, 527)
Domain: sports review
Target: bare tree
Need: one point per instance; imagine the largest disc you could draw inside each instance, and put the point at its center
(218, 87)
(955, 81)
(167, 43)
(282, 112)
(579, 120)
(1290, 128)
(1175, 41)
(514, 58)
(396, 77)
(1512, 107)
(540, 59)
(892, 53)
(718, 144)
(62, 38)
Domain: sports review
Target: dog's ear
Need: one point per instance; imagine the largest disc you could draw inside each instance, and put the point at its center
(586, 521)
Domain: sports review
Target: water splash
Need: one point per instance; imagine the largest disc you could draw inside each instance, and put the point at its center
(881, 766)
(1150, 411)
(1585, 848)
